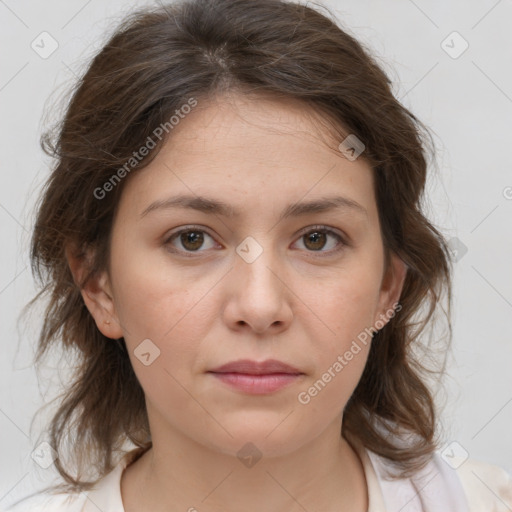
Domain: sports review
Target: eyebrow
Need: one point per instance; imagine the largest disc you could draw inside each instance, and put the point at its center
(216, 207)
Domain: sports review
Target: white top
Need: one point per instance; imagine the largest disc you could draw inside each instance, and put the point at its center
(472, 487)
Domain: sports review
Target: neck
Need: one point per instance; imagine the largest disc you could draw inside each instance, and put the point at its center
(178, 473)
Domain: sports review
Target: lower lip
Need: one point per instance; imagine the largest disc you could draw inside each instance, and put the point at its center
(257, 384)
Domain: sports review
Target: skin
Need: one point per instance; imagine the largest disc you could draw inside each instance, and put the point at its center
(292, 303)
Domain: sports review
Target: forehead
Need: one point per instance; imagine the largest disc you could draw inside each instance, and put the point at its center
(232, 118)
(240, 149)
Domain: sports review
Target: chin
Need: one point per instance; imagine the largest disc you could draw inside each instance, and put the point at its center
(261, 438)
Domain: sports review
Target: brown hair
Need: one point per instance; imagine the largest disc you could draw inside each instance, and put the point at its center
(155, 62)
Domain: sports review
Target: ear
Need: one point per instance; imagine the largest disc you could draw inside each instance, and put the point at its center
(97, 295)
(391, 289)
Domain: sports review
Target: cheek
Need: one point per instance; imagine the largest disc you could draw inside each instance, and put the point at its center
(346, 307)
(339, 363)
(152, 298)
(340, 358)
(347, 303)
(170, 308)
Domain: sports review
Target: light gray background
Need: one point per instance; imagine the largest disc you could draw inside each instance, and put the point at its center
(466, 101)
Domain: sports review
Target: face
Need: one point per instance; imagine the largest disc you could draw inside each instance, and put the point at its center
(262, 277)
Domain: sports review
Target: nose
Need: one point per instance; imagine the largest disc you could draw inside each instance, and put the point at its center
(259, 297)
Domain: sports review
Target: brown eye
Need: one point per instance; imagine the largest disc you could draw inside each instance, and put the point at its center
(315, 240)
(189, 240)
(322, 240)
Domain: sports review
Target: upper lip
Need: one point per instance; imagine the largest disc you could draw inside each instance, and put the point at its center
(250, 367)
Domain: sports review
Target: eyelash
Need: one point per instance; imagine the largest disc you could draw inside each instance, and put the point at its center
(310, 229)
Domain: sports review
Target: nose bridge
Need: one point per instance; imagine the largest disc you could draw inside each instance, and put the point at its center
(257, 264)
(260, 297)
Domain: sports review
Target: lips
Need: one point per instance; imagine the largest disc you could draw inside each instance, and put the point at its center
(249, 367)
(257, 378)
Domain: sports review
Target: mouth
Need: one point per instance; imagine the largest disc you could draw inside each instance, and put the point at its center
(257, 384)
(249, 367)
(257, 377)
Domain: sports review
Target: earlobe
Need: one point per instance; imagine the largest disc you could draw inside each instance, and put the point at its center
(97, 295)
(391, 288)
(98, 298)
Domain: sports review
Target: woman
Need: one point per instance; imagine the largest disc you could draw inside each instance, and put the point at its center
(234, 249)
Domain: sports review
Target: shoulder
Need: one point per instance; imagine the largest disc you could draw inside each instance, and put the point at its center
(462, 485)
(46, 502)
(488, 488)
(104, 496)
